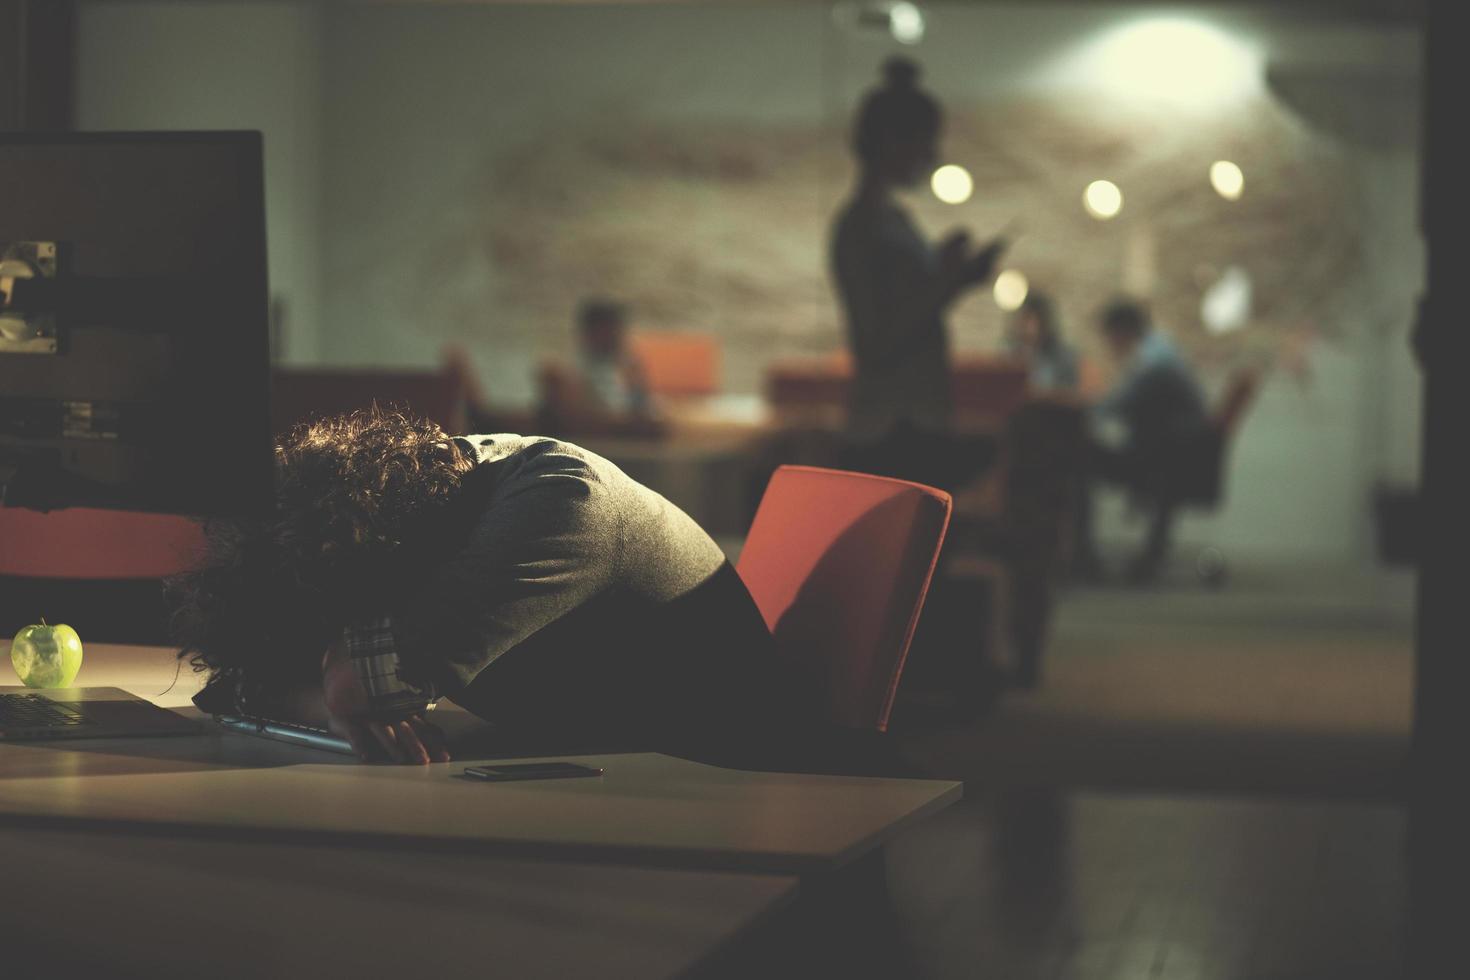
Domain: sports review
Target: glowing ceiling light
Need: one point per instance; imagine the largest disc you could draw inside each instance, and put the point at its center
(1179, 60)
(1010, 290)
(952, 184)
(1226, 305)
(1227, 180)
(898, 20)
(906, 21)
(1102, 199)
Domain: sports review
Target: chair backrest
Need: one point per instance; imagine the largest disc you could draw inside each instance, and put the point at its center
(82, 543)
(298, 394)
(839, 564)
(679, 364)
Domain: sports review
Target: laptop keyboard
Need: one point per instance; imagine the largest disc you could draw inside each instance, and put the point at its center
(37, 711)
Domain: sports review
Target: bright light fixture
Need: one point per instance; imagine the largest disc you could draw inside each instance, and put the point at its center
(952, 184)
(1179, 60)
(1010, 290)
(898, 20)
(906, 21)
(1227, 180)
(1226, 305)
(1102, 199)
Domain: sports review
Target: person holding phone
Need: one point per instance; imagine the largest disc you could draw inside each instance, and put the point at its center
(526, 579)
(896, 288)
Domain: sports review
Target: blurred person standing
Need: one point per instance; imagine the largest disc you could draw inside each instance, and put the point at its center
(896, 288)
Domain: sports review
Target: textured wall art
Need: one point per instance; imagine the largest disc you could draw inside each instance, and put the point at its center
(724, 227)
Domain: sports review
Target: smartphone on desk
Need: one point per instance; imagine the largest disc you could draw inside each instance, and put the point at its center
(531, 770)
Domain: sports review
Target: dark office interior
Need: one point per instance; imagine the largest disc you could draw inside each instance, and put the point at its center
(695, 488)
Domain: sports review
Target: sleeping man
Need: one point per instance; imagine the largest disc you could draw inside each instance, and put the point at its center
(527, 580)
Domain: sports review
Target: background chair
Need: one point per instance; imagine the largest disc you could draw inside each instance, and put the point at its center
(98, 571)
(1200, 482)
(679, 364)
(839, 564)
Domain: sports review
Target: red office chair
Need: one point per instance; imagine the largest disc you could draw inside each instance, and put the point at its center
(678, 364)
(80, 542)
(1200, 482)
(839, 564)
(95, 570)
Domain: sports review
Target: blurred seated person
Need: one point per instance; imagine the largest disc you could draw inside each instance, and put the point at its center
(606, 389)
(1036, 337)
(1161, 432)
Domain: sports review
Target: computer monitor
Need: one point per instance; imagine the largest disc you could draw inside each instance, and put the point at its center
(134, 354)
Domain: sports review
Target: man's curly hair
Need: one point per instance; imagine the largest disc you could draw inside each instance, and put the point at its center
(362, 502)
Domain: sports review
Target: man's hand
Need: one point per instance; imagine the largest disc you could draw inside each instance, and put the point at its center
(962, 268)
(981, 265)
(409, 739)
(953, 253)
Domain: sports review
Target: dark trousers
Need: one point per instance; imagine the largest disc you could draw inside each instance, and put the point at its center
(1161, 478)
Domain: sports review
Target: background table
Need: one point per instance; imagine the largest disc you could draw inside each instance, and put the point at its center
(713, 467)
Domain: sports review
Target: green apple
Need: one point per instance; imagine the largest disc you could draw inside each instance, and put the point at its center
(47, 656)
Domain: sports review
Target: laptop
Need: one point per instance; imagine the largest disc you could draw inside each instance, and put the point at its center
(30, 714)
(286, 731)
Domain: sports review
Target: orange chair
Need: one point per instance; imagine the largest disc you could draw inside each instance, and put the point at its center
(80, 542)
(1200, 482)
(679, 365)
(839, 564)
(95, 570)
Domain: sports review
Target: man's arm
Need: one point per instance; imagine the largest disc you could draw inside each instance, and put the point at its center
(378, 716)
(372, 651)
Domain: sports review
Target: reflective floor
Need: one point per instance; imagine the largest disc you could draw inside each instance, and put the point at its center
(1048, 885)
(1203, 788)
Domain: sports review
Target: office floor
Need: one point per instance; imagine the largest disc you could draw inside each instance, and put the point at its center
(1286, 681)
(1050, 885)
(1204, 787)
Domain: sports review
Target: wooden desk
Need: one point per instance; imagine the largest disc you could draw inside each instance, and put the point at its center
(647, 809)
(84, 903)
